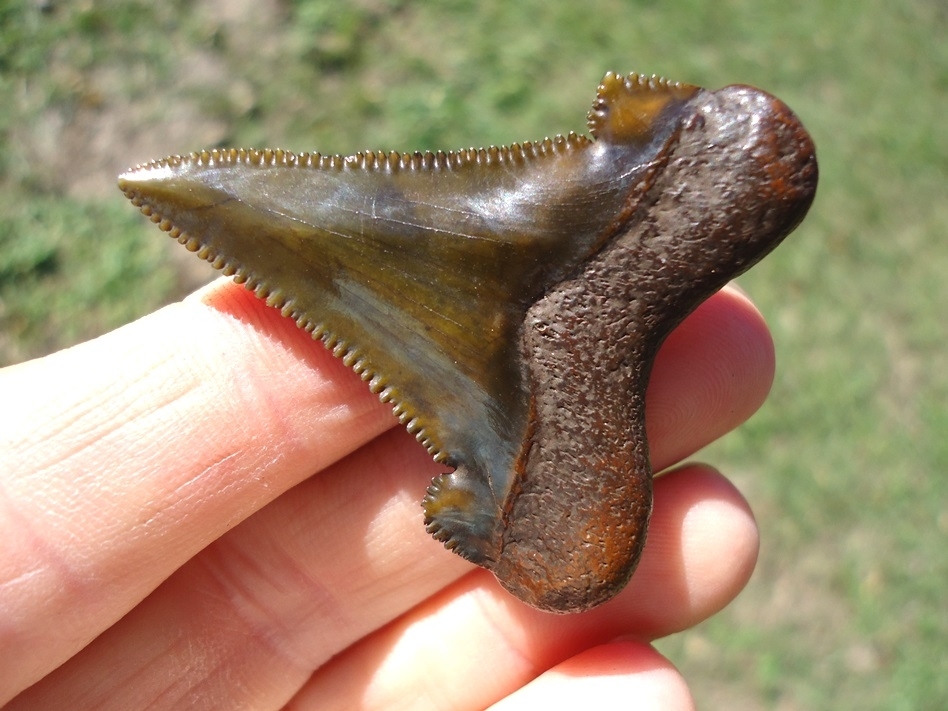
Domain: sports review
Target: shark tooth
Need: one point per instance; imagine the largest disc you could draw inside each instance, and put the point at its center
(509, 301)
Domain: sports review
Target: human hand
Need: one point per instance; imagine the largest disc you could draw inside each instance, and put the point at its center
(206, 509)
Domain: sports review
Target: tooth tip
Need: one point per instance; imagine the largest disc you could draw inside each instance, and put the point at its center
(147, 173)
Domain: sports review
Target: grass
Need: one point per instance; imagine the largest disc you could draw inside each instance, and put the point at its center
(844, 465)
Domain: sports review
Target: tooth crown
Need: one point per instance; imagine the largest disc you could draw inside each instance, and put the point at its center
(508, 301)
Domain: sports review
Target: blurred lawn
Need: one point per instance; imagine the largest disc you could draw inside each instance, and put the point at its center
(845, 466)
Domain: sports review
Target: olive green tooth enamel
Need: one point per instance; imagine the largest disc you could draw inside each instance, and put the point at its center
(508, 301)
(425, 263)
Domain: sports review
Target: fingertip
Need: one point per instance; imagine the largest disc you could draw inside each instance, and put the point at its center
(711, 374)
(263, 330)
(717, 519)
(702, 550)
(623, 671)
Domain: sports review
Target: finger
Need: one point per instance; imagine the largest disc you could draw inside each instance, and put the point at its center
(307, 577)
(712, 373)
(126, 455)
(245, 622)
(473, 644)
(616, 675)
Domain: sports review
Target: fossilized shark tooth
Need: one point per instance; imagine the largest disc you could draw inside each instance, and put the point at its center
(509, 301)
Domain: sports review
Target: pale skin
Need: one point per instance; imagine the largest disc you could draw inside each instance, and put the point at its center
(205, 509)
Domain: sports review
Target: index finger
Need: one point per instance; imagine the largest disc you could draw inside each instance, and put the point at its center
(124, 456)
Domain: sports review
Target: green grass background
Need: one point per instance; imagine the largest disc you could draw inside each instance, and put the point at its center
(846, 464)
